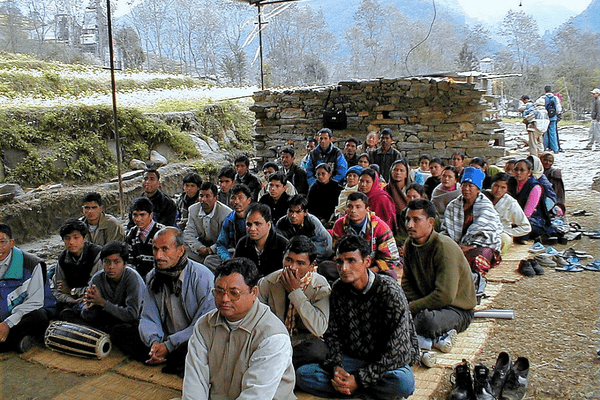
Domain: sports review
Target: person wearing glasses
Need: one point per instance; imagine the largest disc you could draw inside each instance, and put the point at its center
(178, 293)
(241, 349)
(102, 228)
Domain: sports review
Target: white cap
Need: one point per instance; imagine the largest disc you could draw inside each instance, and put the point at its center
(596, 91)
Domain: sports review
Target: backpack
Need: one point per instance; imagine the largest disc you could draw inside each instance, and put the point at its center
(551, 108)
(480, 284)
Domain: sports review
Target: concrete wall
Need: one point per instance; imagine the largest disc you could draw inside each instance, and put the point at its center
(428, 115)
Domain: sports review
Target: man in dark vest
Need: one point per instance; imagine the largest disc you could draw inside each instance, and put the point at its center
(76, 265)
(326, 152)
(139, 238)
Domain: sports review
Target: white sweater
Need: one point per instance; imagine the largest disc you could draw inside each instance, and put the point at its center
(513, 218)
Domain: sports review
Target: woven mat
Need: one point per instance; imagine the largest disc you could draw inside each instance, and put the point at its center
(507, 271)
(117, 387)
(468, 345)
(517, 252)
(427, 381)
(492, 290)
(78, 365)
(152, 374)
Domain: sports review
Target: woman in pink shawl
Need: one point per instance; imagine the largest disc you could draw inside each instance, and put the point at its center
(380, 201)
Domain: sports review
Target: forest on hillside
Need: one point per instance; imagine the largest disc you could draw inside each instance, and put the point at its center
(218, 40)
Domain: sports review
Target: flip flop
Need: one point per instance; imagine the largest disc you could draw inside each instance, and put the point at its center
(591, 233)
(593, 266)
(575, 227)
(582, 213)
(569, 268)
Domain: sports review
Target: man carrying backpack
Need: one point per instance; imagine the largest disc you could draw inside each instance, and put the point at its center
(554, 109)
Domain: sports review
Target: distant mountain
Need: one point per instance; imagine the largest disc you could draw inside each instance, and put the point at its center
(339, 15)
(589, 19)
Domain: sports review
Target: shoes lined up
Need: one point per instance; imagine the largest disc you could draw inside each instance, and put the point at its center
(531, 267)
(508, 380)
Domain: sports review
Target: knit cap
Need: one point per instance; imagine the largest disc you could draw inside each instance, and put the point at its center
(473, 175)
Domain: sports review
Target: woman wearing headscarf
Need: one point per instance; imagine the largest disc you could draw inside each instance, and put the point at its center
(537, 172)
(531, 197)
(472, 222)
(447, 190)
(554, 175)
(380, 201)
(400, 177)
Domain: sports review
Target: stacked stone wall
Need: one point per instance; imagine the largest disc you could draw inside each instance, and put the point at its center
(428, 115)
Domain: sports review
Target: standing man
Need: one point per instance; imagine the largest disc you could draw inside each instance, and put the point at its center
(204, 225)
(294, 174)
(140, 236)
(385, 155)
(226, 177)
(103, 228)
(241, 350)
(299, 296)
(371, 337)
(595, 127)
(299, 222)
(458, 162)
(23, 287)
(437, 280)
(326, 152)
(179, 292)
(243, 175)
(554, 108)
(262, 244)
(350, 146)
(164, 208)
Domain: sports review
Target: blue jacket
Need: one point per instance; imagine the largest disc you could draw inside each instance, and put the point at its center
(23, 288)
(334, 157)
(232, 231)
(198, 299)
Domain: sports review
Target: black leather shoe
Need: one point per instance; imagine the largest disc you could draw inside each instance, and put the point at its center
(500, 372)
(481, 383)
(526, 269)
(537, 268)
(516, 381)
(462, 387)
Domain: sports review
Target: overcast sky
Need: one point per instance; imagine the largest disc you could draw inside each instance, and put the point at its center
(491, 8)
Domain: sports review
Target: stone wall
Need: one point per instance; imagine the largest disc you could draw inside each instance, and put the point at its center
(428, 115)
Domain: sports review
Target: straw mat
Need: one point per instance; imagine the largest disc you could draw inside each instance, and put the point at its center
(78, 365)
(147, 373)
(468, 345)
(491, 291)
(116, 387)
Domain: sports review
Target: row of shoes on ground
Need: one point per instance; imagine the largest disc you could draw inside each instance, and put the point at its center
(508, 380)
(443, 344)
(531, 268)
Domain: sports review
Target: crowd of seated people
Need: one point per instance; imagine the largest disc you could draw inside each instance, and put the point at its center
(359, 278)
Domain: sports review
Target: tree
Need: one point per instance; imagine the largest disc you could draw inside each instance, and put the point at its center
(521, 32)
(467, 61)
(130, 46)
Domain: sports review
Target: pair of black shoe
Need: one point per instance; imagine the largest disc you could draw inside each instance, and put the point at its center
(507, 382)
(531, 268)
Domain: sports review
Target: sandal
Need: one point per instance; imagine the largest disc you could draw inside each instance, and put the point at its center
(592, 266)
(582, 213)
(591, 233)
(575, 227)
(569, 268)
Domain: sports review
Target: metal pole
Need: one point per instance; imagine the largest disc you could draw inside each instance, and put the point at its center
(260, 48)
(114, 102)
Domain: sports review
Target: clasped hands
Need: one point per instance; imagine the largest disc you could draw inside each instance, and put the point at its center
(343, 381)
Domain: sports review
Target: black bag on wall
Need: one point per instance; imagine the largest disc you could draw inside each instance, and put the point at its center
(333, 117)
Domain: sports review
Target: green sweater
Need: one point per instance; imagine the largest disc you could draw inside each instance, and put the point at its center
(437, 275)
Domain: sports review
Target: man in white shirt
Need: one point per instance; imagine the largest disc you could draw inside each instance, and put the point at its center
(241, 349)
(205, 220)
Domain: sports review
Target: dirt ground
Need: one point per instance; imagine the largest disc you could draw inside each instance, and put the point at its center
(556, 323)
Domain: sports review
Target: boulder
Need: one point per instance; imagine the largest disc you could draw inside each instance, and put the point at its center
(137, 164)
(158, 159)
